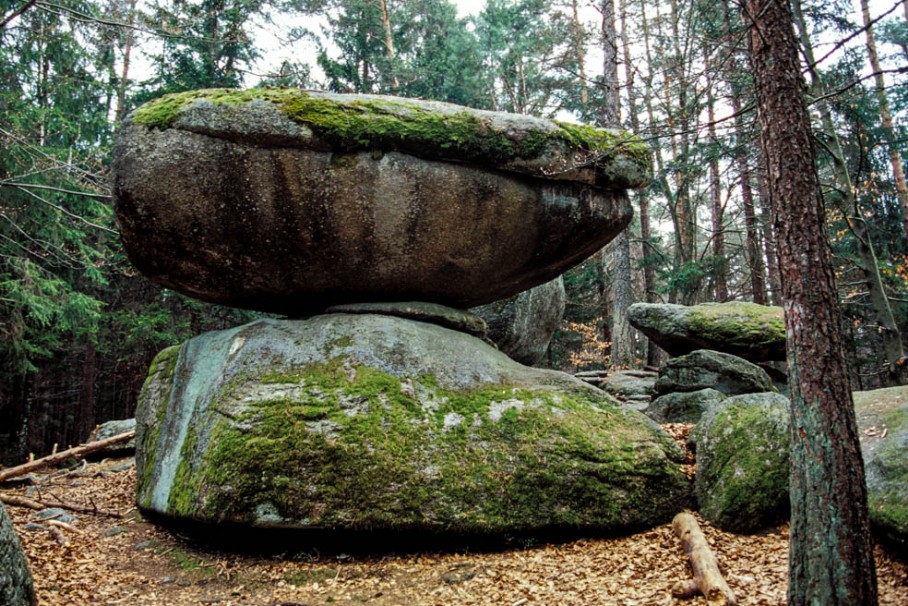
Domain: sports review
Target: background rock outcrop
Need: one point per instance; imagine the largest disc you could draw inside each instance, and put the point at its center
(522, 326)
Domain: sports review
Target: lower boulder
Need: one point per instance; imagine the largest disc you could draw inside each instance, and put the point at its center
(373, 422)
(742, 462)
(16, 587)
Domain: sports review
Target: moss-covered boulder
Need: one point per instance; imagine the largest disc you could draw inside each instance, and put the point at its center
(371, 422)
(16, 587)
(683, 406)
(705, 369)
(882, 417)
(742, 462)
(747, 330)
(290, 202)
(522, 326)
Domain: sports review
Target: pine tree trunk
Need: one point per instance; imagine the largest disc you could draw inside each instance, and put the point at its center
(895, 158)
(717, 210)
(389, 42)
(831, 555)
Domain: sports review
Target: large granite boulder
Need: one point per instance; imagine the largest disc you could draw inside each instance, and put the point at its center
(705, 369)
(290, 202)
(683, 406)
(747, 330)
(522, 326)
(354, 422)
(742, 462)
(16, 587)
(882, 417)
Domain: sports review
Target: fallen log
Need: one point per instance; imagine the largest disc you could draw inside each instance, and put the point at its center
(707, 580)
(72, 453)
(15, 500)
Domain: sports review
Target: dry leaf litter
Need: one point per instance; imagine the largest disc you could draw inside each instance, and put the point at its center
(109, 560)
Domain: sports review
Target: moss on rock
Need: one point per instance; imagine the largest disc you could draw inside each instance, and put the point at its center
(369, 122)
(338, 444)
(742, 462)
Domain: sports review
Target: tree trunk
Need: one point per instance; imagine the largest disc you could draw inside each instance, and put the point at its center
(120, 112)
(649, 278)
(717, 210)
(752, 253)
(579, 55)
(708, 580)
(895, 158)
(831, 554)
(389, 42)
(618, 252)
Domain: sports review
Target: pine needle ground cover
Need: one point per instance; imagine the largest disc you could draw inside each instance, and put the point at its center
(128, 560)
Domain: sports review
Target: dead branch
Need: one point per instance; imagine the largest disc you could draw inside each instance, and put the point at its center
(58, 535)
(707, 578)
(65, 526)
(73, 453)
(20, 501)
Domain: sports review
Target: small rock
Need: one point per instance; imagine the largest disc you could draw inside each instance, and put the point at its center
(55, 513)
(683, 406)
(34, 526)
(124, 466)
(704, 369)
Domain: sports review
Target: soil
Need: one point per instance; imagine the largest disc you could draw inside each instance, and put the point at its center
(116, 556)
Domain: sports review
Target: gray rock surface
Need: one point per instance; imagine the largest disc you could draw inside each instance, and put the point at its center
(15, 579)
(522, 326)
(882, 416)
(254, 204)
(110, 429)
(747, 330)
(705, 369)
(629, 385)
(742, 462)
(367, 421)
(433, 313)
(683, 406)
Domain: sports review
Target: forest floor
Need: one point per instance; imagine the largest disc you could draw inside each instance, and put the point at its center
(119, 557)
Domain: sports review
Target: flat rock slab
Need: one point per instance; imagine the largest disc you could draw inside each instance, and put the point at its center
(747, 330)
(291, 202)
(433, 313)
(346, 422)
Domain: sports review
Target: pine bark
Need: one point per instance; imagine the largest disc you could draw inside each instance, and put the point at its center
(831, 555)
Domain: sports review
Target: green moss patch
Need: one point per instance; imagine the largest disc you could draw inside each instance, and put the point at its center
(358, 450)
(383, 124)
(746, 322)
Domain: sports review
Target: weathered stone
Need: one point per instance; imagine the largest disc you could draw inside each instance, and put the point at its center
(522, 326)
(742, 462)
(704, 369)
(110, 429)
(630, 384)
(433, 313)
(882, 416)
(367, 421)
(291, 202)
(747, 330)
(16, 587)
(683, 406)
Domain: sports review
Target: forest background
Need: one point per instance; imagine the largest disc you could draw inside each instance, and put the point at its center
(79, 326)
